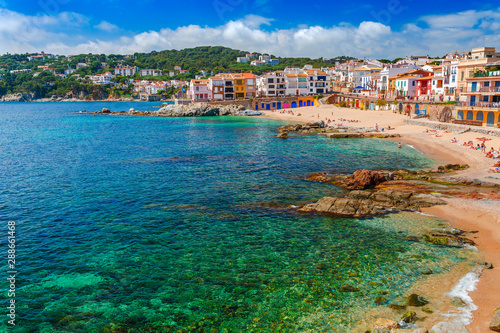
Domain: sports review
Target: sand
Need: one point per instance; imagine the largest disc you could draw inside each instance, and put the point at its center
(466, 214)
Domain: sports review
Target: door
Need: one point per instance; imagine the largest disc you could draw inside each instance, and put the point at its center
(300, 104)
(473, 101)
(474, 86)
(279, 105)
(490, 119)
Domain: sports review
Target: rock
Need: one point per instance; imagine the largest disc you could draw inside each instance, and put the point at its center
(445, 327)
(409, 317)
(105, 110)
(409, 330)
(488, 265)
(495, 323)
(364, 179)
(349, 289)
(282, 135)
(457, 301)
(416, 300)
(344, 135)
(447, 239)
(131, 110)
(379, 300)
(385, 324)
(397, 307)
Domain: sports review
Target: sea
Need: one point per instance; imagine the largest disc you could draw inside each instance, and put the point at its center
(145, 224)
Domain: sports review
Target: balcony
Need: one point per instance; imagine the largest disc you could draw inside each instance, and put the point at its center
(483, 90)
(229, 90)
(489, 105)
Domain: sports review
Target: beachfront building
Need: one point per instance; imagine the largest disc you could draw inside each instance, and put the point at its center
(319, 81)
(250, 85)
(406, 85)
(150, 72)
(198, 91)
(481, 105)
(272, 84)
(216, 86)
(475, 62)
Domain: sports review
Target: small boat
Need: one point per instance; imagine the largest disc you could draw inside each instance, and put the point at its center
(250, 113)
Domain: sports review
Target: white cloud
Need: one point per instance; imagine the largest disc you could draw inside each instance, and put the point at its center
(21, 33)
(106, 26)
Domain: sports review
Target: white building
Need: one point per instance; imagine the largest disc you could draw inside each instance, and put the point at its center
(150, 72)
(319, 82)
(243, 59)
(125, 71)
(272, 84)
(394, 70)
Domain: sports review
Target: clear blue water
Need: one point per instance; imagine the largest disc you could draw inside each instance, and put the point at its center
(134, 224)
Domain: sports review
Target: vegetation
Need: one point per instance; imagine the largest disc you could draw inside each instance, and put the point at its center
(50, 80)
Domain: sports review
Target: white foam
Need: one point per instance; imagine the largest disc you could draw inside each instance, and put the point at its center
(462, 289)
(411, 146)
(424, 214)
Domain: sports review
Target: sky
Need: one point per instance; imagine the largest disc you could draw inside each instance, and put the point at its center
(377, 29)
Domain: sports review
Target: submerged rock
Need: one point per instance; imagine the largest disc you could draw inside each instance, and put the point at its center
(397, 307)
(349, 289)
(283, 135)
(445, 327)
(416, 300)
(457, 301)
(447, 239)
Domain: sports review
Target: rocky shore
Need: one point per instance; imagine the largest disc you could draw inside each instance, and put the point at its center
(336, 132)
(192, 110)
(381, 192)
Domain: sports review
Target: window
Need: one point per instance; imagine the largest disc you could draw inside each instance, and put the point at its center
(197, 88)
(486, 84)
(462, 73)
(413, 83)
(453, 78)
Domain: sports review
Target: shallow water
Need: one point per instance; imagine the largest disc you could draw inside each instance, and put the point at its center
(165, 224)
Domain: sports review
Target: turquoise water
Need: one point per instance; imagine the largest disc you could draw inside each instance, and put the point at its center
(185, 225)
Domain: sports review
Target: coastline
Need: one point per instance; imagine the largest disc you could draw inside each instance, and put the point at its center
(465, 214)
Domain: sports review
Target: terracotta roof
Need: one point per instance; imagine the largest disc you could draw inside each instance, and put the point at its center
(425, 78)
(437, 77)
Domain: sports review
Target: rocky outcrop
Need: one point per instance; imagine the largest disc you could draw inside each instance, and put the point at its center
(199, 110)
(445, 327)
(495, 323)
(416, 300)
(369, 203)
(192, 110)
(19, 97)
(364, 179)
(283, 135)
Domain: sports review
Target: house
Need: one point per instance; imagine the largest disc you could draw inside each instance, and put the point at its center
(243, 59)
(177, 68)
(355, 74)
(69, 71)
(319, 82)
(102, 78)
(216, 85)
(258, 63)
(81, 65)
(406, 85)
(272, 84)
(265, 57)
(150, 72)
(251, 56)
(198, 91)
(390, 71)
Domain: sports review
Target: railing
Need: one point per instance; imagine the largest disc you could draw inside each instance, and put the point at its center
(487, 74)
(483, 89)
(493, 105)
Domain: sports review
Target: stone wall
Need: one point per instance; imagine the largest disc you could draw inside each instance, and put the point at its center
(453, 127)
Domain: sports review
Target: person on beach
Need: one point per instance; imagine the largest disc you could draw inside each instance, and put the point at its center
(399, 145)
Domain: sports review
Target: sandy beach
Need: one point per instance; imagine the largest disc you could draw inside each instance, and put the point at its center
(466, 214)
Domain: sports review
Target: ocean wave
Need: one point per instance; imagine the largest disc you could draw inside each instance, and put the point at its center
(465, 285)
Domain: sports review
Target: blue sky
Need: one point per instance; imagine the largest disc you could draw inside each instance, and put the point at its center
(380, 29)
